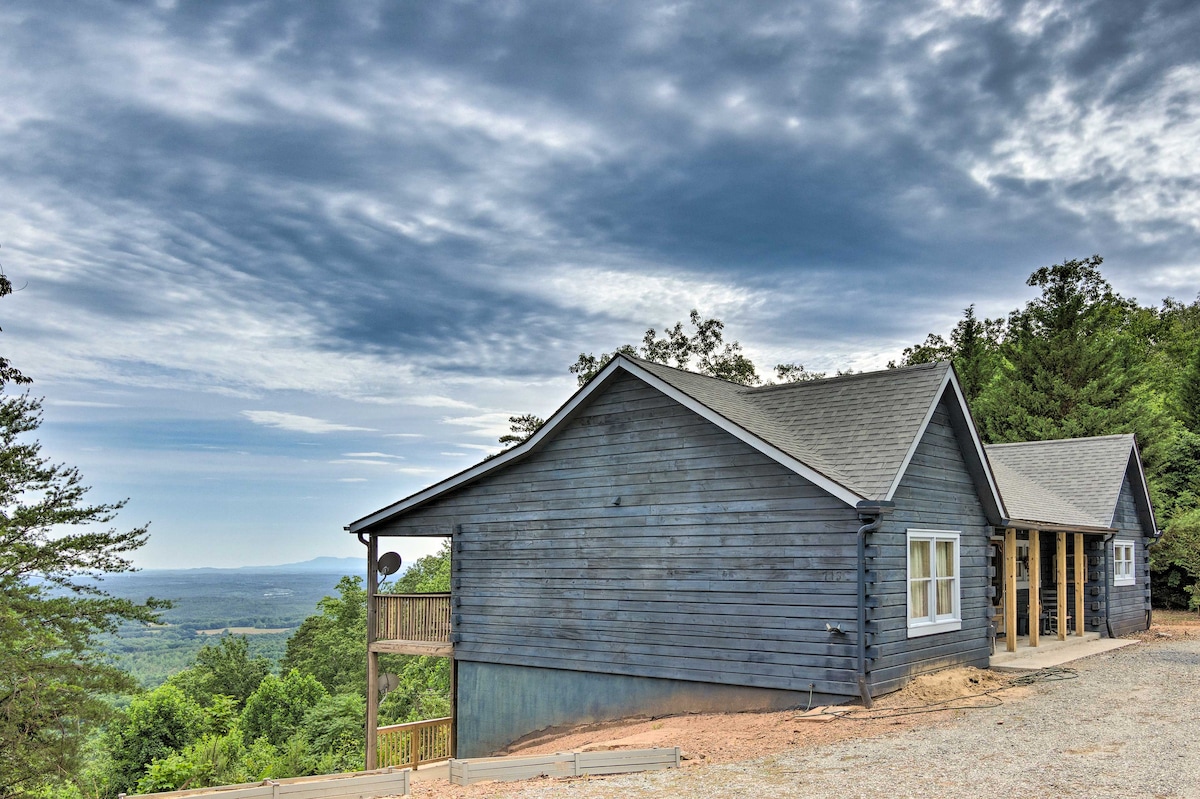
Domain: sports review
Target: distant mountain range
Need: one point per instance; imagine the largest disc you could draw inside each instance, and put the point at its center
(324, 565)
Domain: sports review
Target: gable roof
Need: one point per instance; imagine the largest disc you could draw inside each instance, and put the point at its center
(1074, 482)
(857, 430)
(853, 435)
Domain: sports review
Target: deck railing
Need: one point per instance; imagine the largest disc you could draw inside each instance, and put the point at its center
(412, 617)
(414, 743)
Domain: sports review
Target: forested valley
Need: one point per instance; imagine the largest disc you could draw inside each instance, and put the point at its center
(1077, 360)
(239, 713)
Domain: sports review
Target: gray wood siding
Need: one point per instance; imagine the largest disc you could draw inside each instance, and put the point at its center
(718, 565)
(936, 493)
(1128, 604)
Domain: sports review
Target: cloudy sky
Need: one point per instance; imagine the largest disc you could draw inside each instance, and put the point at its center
(284, 263)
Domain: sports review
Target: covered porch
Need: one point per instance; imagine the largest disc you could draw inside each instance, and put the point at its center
(1049, 587)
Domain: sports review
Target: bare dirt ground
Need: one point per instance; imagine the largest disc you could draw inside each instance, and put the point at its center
(717, 738)
(711, 738)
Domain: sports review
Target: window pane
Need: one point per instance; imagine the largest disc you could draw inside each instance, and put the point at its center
(945, 558)
(918, 599)
(918, 559)
(945, 596)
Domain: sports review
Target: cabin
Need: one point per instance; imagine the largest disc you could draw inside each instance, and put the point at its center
(1093, 574)
(670, 542)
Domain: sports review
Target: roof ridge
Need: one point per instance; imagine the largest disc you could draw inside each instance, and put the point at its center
(847, 378)
(681, 370)
(1059, 440)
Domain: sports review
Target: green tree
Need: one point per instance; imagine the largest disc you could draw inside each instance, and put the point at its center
(422, 683)
(520, 428)
(333, 730)
(277, 708)
(703, 350)
(795, 373)
(156, 725)
(1175, 563)
(211, 760)
(1068, 366)
(52, 547)
(225, 668)
(332, 645)
(1188, 393)
(973, 348)
(427, 575)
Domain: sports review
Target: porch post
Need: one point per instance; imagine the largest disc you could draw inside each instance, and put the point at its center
(372, 754)
(1080, 579)
(1010, 590)
(1062, 586)
(1035, 586)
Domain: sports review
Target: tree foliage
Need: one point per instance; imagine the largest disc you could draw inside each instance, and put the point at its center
(53, 546)
(973, 348)
(332, 645)
(1080, 360)
(701, 349)
(224, 668)
(276, 709)
(422, 689)
(155, 725)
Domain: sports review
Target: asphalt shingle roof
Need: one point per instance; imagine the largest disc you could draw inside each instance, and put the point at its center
(856, 430)
(1074, 481)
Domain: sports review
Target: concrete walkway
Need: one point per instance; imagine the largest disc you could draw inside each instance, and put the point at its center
(1052, 652)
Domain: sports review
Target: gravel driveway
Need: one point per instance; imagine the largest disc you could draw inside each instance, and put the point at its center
(1128, 726)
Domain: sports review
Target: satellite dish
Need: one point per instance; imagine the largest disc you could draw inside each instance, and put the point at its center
(389, 563)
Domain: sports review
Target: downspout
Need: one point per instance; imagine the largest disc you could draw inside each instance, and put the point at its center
(1158, 534)
(872, 514)
(1108, 567)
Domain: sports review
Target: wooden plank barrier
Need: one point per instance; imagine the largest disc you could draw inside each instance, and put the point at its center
(562, 764)
(412, 617)
(415, 743)
(356, 785)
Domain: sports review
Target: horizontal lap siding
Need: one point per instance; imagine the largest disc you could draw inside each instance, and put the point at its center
(718, 565)
(1128, 603)
(937, 493)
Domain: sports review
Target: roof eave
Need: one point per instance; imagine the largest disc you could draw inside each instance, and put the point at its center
(1053, 527)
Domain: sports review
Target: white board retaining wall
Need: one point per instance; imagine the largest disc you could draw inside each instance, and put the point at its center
(357, 785)
(562, 764)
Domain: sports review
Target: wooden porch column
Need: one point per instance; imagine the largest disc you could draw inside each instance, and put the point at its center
(1010, 590)
(1080, 579)
(372, 754)
(1062, 586)
(1035, 586)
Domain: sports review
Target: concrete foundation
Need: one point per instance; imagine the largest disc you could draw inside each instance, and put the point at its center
(497, 704)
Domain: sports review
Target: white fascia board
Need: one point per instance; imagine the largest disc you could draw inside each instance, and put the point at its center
(951, 381)
(774, 453)
(504, 458)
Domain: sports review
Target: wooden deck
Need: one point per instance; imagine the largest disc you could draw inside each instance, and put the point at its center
(413, 624)
(415, 743)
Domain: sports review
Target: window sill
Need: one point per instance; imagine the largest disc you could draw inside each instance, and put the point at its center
(918, 630)
(1119, 583)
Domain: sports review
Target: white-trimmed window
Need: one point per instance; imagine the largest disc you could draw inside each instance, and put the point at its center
(1022, 564)
(1123, 563)
(934, 590)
